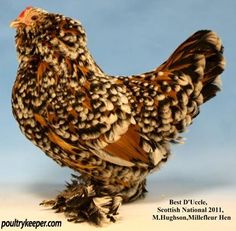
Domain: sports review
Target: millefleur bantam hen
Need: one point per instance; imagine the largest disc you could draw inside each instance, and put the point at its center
(113, 131)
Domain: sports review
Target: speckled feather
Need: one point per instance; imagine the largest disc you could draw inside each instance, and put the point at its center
(114, 130)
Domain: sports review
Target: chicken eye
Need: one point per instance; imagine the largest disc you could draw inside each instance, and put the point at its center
(34, 17)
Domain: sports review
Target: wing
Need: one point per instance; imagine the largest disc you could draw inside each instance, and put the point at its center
(91, 118)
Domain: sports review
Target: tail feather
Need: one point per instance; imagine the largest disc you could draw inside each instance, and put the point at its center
(200, 57)
(212, 80)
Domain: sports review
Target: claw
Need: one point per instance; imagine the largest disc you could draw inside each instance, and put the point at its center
(48, 203)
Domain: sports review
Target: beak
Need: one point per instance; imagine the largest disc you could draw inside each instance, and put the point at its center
(15, 23)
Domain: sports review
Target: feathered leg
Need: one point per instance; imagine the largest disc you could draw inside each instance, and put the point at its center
(85, 200)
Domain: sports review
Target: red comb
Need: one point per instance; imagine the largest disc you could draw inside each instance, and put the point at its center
(23, 12)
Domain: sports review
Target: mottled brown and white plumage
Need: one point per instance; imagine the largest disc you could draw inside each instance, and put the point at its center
(113, 130)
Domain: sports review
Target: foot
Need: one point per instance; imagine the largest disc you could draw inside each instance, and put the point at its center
(81, 203)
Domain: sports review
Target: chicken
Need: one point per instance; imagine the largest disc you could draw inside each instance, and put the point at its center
(113, 131)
